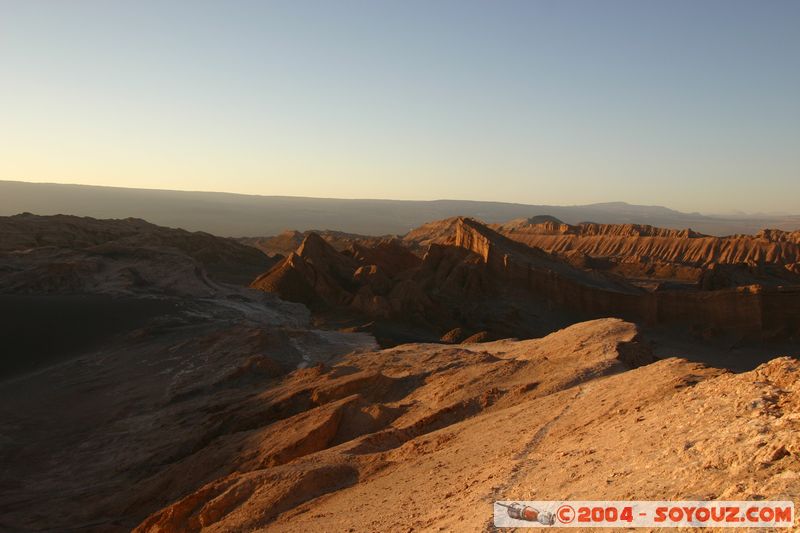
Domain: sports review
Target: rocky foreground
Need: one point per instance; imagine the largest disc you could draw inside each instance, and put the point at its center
(219, 437)
(425, 437)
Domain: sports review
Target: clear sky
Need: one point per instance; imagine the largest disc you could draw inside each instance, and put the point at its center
(690, 104)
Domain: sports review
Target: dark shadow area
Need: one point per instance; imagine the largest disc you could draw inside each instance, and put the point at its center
(721, 351)
(40, 330)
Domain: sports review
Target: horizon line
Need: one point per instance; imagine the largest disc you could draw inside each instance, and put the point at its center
(736, 213)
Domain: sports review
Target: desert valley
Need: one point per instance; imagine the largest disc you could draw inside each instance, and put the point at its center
(399, 267)
(164, 380)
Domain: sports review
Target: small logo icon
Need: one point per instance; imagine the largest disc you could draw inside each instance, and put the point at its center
(565, 514)
(517, 511)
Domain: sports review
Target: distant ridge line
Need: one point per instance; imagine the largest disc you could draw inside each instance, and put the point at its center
(237, 215)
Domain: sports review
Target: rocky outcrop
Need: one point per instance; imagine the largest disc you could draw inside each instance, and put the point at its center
(477, 279)
(776, 235)
(389, 255)
(481, 336)
(314, 274)
(684, 247)
(286, 242)
(454, 336)
(553, 226)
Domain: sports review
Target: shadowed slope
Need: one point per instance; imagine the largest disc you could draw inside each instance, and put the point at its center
(224, 259)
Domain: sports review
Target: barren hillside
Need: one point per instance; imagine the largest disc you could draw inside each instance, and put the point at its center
(425, 430)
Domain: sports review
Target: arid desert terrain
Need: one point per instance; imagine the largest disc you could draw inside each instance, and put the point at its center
(399, 267)
(159, 380)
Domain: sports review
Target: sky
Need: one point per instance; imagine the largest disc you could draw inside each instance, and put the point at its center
(690, 104)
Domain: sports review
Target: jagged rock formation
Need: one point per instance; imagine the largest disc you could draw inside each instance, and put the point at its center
(474, 278)
(553, 226)
(776, 235)
(315, 272)
(648, 251)
(467, 281)
(436, 232)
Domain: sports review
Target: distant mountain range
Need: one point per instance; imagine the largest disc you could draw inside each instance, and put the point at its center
(237, 215)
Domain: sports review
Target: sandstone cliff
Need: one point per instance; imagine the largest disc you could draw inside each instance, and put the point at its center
(676, 246)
